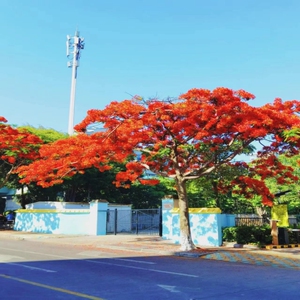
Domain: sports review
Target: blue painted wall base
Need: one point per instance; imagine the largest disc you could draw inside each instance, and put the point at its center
(206, 224)
(88, 221)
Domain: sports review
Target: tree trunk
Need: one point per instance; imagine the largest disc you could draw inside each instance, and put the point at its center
(185, 231)
(261, 211)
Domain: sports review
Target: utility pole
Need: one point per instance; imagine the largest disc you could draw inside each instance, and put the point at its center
(74, 45)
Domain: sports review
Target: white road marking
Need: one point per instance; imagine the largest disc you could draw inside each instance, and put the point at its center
(136, 261)
(169, 288)
(97, 254)
(140, 268)
(122, 259)
(32, 268)
(85, 253)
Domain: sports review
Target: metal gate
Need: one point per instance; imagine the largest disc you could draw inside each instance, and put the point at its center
(135, 221)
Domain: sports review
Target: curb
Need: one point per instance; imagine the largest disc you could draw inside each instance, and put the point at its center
(191, 254)
(139, 249)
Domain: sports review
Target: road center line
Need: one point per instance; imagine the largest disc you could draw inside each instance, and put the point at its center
(140, 268)
(51, 287)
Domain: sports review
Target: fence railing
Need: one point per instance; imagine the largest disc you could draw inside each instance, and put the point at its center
(257, 221)
(135, 221)
(250, 221)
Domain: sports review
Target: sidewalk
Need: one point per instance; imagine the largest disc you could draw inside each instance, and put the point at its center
(148, 245)
(138, 243)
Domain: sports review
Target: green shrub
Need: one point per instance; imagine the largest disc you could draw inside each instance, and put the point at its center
(244, 235)
(293, 236)
(229, 234)
(259, 235)
(262, 235)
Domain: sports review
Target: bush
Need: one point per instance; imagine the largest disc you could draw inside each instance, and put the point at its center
(263, 235)
(229, 234)
(259, 235)
(244, 235)
(293, 235)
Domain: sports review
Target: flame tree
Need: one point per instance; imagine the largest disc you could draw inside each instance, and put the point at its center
(185, 139)
(17, 147)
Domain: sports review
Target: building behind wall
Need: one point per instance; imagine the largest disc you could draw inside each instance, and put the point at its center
(9, 203)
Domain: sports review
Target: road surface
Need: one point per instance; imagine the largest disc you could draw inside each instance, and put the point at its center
(37, 270)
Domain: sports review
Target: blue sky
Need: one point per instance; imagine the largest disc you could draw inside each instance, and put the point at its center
(151, 48)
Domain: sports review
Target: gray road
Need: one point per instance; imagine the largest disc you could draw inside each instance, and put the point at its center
(36, 270)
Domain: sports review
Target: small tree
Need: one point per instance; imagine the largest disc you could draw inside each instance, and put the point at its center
(184, 139)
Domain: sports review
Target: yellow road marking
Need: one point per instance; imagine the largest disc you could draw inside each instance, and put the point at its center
(51, 287)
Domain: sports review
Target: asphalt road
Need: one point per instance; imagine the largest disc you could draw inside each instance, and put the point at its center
(36, 270)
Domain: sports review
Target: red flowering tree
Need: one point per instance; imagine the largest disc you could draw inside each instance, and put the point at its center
(63, 159)
(17, 147)
(191, 137)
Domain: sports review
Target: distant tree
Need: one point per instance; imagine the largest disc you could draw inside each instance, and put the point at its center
(208, 191)
(185, 139)
(142, 196)
(47, 135)
(94, 184)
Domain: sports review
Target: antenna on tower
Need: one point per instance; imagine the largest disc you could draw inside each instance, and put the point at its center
(68, 45)
(74, 45)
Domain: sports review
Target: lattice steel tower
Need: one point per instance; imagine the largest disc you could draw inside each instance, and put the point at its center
(74, 45)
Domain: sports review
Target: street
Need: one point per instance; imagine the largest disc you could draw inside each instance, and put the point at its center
(37, 270)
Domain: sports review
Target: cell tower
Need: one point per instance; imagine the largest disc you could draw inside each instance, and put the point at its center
(74, 45)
